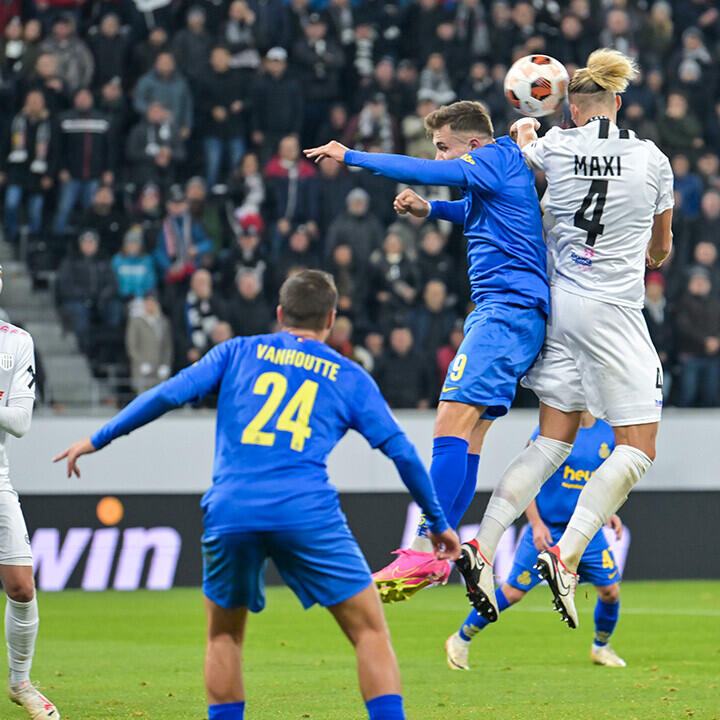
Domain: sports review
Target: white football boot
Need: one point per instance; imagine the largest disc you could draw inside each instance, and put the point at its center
(605, 655)
(479, 581)
(562, 582)
(457, 651)
(37, 705)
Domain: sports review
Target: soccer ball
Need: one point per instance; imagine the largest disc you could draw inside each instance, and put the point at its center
(536, 84)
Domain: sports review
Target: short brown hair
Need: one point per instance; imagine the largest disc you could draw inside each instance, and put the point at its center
(463, 116)
(307, 299)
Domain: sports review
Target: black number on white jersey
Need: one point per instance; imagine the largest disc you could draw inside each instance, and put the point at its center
(593, 226)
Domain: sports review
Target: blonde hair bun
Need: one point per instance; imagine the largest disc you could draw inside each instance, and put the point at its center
(607, 70)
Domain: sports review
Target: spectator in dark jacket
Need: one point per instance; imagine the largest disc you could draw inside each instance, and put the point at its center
(277, 103)
(191, 46)
(657, 317)
(109, 45)
(75, 64)
(45, 77)
(697, 323)
(105, 219)
(223, 103)
(238, 34)
(145, 53)
(350, 282)
(356, 227)
(678, 129)
(247, 310)
(246, 255)
(86, 290)
(201, 311)
(334, 184)
(166, 86)
(86, 156)
(28, 162)
(155, 147)
(299, 253)
(403, 374)
(373, 125)
(432, 321)
(434, 263)
(708, 226)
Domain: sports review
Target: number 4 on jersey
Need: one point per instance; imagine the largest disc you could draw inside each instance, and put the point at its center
(593, 226)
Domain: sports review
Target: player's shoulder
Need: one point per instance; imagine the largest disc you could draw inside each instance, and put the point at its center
(13, 335)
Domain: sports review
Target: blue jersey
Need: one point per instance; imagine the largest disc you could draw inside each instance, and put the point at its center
(500, 213)
(558, 497)
(284, 402)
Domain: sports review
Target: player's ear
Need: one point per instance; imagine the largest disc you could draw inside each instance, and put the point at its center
(574, 113)
(618, 102)
(331, 320)
(279, 315)
(474, 143)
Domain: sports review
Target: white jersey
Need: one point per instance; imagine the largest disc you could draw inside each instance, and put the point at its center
(605, 187)
(17, 377)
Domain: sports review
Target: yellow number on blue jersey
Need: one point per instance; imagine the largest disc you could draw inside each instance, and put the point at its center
(458, 367)
(607, 560)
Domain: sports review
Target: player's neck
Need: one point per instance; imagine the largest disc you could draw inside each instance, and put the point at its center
(599, 115)
(306, 334)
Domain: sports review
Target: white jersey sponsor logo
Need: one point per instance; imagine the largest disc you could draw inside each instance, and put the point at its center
(605, 187)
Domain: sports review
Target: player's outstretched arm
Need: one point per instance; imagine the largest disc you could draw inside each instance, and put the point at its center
(75, 451)
(397, 167)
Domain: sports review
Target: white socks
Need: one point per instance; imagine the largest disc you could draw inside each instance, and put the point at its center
(518, 486)
(21, 627)
(601, 497)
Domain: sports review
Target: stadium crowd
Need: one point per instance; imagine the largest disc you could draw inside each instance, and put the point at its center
(150, 155)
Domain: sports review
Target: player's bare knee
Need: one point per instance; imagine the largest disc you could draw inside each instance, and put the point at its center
(456, 419)
(609, 593)
(20, 590)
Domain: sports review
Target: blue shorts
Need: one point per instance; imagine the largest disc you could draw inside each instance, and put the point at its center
(323, 566)
(501, 343)
(597, 565)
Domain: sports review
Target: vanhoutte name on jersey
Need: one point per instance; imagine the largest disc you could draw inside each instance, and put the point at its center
(605, 187)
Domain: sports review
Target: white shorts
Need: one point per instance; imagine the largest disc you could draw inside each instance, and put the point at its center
(14, 539)
(598, 357)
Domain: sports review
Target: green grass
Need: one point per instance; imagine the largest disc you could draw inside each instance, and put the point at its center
(139, 655)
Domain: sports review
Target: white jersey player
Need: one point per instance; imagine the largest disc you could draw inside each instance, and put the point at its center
(17, 396)
(608, 214)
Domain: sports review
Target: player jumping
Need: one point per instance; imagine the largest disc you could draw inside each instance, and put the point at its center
(17, 390)
(503, 335)
(285, 400)
(608, 214)
(547, 516)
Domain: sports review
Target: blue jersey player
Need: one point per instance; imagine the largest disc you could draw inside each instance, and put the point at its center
(506, 254)
(548, 515)
(284, 402)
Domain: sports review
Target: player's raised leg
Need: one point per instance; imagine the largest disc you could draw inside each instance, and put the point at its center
(362, 620)
(223, 661)
(21, 628)
(518, 486)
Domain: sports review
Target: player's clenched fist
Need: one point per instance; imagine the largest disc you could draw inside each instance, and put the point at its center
(408, 201)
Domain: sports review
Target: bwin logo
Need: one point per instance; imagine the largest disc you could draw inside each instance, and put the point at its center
(55, 563)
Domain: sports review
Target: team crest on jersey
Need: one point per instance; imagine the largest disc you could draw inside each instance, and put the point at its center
(604, 451)
(7, 361)
(468, 158)
(524, 578)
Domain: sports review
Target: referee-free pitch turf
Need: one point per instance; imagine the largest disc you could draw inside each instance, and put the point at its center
(139, 655)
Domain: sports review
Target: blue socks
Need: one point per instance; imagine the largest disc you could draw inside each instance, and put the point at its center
(386, 707)
(227, 711)
(606, 617)
(474, 622)
(448, 472)
(467, 492)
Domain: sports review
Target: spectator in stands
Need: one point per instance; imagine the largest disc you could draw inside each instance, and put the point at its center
(109, 45)
(105, 219)
(350, 282)
(246, 188)
(446, 352)
(417, 142)
(403, 374)
(149, 214)
(373, 124)
(356, 227)
(573, 44)
(708, 226)
(32, 37)
(181, 243)
(341, 340)
(46, 78)
(698, 341)
(657, 317)
(335, 126)
(434, 78)
(134, 269)
(277, 103)
(87, 156)
(334, 184)
(222, 99)
(290, 180)
(634, 119)
(12, 49)
(712, 128)
(299, 253)
(191, 46)
(75, 64)
(202, 309)
(319, 59)
(688, 184)
(246, 255)
(221, 332)
(433, 262)
(678, 129)
(705, 255)
(238, 34)
(155, 148)
(394, 280)
(374, 343)
(28, 162)
(166, 86)
(87, 292)
(708, 170)
(656, 34)
(247, 310)
(204, 212)
(146, 53)
(149, 345)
